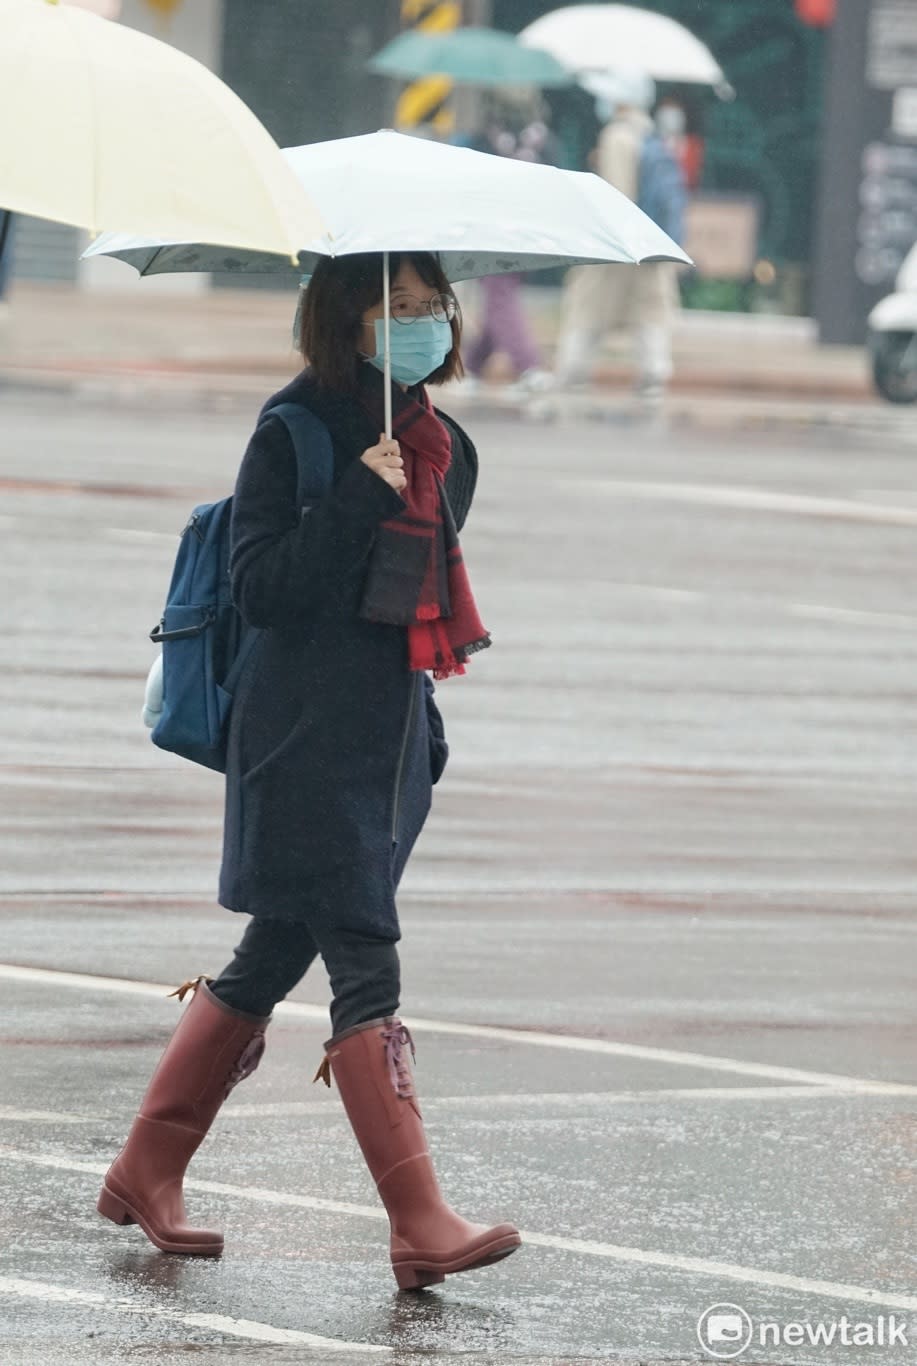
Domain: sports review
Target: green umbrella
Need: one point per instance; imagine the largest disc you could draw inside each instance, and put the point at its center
(473, 56)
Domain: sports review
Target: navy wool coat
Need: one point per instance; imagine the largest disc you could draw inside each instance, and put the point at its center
(334, 743)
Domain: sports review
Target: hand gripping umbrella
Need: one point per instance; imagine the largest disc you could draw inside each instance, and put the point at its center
(481, 214)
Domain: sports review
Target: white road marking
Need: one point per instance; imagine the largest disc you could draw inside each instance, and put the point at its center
(112, 533)
(564, 1100)
(575, 1099)
(24, 1288)
(808, 609)
(531, 1037)
(567, 1098)
(699, 1266)
(49, 976)
(9, 1112)
(761, 500)
(261, 1194)
(879, 495)
(750, 602)
(662, 1055)
(118, 533)
(655, 590)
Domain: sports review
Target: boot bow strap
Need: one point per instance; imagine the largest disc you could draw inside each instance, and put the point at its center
(247, 1061)
(191, 985)
(395, 1037)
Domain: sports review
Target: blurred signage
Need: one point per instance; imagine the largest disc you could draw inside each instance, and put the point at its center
(868, 193)
(892, 44)
(887, 222)
(721, 234)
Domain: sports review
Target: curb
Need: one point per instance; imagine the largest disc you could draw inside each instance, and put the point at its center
(843, 422)
(256, 377)
(753, 415)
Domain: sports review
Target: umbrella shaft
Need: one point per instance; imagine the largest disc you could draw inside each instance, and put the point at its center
(386, 334)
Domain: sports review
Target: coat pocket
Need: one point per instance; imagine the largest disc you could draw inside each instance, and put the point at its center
(436, 734)
(439, 756)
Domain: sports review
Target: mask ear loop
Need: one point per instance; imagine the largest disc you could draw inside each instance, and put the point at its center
(386, 335)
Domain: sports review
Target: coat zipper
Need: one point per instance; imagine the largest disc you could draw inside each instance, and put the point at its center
(404, 745)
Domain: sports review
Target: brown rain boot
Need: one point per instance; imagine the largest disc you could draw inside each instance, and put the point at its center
(213, 1047)
(429, 1240)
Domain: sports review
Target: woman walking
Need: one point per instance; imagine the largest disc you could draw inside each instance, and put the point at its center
(335, 743)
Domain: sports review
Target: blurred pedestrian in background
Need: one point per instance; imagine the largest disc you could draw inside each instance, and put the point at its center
(635, 156)
(511, 129)
(672, 125)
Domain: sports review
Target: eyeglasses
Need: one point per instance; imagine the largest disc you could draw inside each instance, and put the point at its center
(407, 309)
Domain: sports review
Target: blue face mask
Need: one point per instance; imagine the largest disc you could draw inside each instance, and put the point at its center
(417, 349)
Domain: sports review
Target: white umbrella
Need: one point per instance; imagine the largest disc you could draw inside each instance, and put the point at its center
(482, 214)
(104, 127)
(624, 38)
(108, 9)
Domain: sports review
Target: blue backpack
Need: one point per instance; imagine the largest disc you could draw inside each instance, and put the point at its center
(205, 642)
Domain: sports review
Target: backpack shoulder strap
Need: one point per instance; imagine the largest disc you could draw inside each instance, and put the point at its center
(312, 444)
(315, 475)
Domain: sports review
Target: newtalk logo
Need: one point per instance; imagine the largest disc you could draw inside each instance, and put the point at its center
(725, 1331)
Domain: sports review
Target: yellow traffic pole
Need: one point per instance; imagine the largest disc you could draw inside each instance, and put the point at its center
(426, 100)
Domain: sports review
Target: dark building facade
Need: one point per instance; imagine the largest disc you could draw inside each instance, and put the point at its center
(301, 64)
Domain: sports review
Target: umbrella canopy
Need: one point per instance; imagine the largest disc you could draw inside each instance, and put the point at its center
(109, 9)
(622, 37)
(614, 88)
(469, 56)
(105, 127)
(483, 214)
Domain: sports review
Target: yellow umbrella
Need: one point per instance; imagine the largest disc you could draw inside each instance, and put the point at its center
(106, 128)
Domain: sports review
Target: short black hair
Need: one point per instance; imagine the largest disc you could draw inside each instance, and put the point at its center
(340, 291)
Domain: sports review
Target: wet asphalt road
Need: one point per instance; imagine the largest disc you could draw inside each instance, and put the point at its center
(659, 931)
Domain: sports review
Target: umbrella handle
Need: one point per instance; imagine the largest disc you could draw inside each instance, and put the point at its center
(386, 335)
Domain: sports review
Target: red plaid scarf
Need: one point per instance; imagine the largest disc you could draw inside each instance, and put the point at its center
(417, 575)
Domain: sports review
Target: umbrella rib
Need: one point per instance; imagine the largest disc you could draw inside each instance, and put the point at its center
(146, 268)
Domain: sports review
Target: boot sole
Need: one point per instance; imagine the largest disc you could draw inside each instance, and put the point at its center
(418, 1272)
(112, 1207)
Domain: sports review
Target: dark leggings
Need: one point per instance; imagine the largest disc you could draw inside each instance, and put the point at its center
(273, 955)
